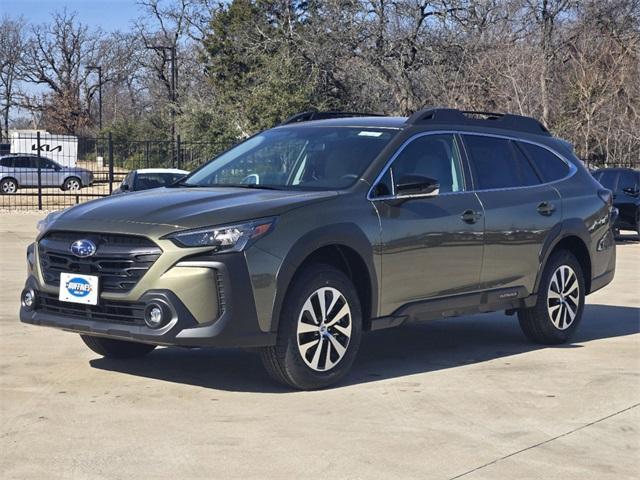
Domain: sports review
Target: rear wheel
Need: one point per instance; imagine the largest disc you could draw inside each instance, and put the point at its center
(558, 310)
(111, 348)
(319, 331)
(8, 186)
(72, 183)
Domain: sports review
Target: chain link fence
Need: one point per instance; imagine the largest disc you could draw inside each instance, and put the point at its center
(49, 172)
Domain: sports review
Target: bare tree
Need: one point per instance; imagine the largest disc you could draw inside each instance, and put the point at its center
(57, 56)
(12, 47)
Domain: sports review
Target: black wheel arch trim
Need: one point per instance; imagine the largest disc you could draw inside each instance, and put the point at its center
(70, 177)
(346, 235)
(572, 227)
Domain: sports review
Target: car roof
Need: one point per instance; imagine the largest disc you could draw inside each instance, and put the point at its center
(371, 122)
(16, 154)
(161, 170)
(13, 154)
(427, 119)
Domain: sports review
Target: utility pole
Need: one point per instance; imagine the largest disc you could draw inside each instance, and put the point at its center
(99, 69)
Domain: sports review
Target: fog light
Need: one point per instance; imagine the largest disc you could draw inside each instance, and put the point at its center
(154, 315)
(28, 299)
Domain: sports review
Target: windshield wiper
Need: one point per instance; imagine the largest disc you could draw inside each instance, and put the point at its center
(254, 185)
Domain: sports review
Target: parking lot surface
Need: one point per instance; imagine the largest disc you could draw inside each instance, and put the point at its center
(460, 398)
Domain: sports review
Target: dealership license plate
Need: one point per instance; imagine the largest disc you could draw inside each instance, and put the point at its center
(78, 288)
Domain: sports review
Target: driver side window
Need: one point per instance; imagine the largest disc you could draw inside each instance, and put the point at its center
(432, 156)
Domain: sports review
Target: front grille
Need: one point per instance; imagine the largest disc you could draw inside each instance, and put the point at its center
(120, 261)
(129, 313)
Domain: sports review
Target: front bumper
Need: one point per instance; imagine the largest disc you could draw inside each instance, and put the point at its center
(235, 324)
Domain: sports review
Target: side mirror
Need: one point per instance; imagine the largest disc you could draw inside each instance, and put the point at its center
(633, 192)
(124, 187)
(417, 185)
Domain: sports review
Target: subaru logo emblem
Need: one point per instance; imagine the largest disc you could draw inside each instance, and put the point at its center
(83, 248)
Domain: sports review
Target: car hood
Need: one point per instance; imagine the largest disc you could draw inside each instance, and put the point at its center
(163, 210)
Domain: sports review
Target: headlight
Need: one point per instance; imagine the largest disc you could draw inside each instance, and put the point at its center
(46, 221)
(226, 238)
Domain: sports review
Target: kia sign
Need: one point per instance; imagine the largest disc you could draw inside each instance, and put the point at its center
(61, 148)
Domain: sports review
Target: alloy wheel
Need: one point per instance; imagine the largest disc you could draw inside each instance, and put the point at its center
(324, 329)
(563, 297)
(73, 185)
(8, 187)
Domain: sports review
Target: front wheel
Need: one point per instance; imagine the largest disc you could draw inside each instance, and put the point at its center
(120, 349)
(72, 183)
(319, 331)
(558, 311)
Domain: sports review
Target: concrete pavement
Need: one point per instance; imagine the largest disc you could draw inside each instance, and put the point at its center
(463, 398)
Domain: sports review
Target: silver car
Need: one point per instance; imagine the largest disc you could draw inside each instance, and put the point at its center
(21, 170)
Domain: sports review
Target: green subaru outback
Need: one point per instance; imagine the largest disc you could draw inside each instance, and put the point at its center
(303, 237)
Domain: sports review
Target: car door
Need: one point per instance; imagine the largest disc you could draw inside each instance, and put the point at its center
(26, 174)
(431, 244)
(519, 209)
(626, 196)
(48, 172)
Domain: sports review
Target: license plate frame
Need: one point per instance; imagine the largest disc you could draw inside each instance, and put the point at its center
(79, 288)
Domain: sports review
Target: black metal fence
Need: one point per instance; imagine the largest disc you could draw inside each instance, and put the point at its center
(50, 172)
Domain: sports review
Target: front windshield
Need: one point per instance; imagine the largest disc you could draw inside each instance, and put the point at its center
(296, 158)
(146, 181)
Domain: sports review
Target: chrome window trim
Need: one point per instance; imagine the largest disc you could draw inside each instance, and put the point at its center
(572, 168)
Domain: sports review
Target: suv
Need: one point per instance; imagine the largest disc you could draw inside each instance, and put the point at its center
(147, 178)
(304, 236)
(625, 185)
(21, 170)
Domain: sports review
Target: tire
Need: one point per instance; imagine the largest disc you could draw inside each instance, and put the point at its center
(8, 186)
(72, 184)
(119, 349)
(309, 354)
(549, 321)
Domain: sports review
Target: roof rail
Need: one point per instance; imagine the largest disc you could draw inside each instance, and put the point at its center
(315, 115)
(506, 121)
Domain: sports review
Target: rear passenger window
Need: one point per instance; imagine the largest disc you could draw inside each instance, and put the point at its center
(498, 163)
(22, 162)
(550, 166)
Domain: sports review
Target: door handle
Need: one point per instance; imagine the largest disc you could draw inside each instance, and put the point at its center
(546, 208)
(469, 216)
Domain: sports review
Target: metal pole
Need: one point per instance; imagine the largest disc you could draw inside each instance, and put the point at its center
(110, 164)
(39, 173)
(100, 97)
(173, 100)
(179, 150)
(99, 69)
